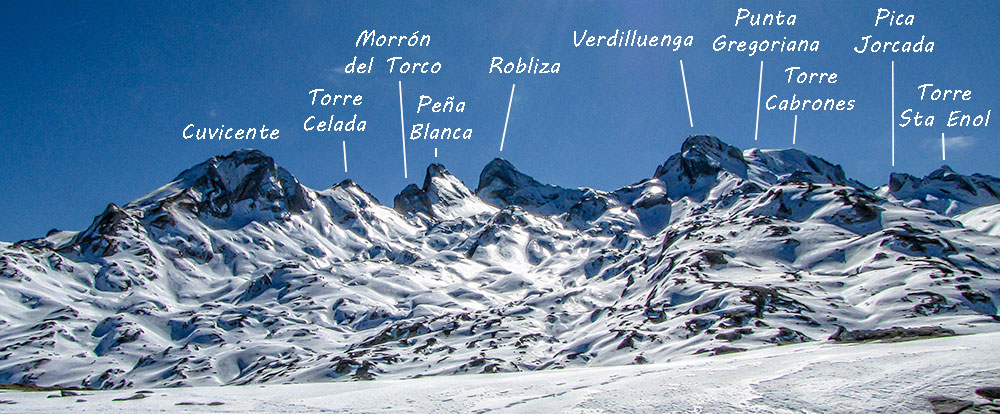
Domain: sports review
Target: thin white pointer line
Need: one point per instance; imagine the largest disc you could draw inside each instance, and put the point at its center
(686, 99)
(505, 121)
(795, 128)
(942, 146)
(760, 87)
(344, 144)
(892, 120)
(402, 127)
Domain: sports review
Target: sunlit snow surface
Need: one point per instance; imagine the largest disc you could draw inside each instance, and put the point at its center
(236, 274)
(817, 377)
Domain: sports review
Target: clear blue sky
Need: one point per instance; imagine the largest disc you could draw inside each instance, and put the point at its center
(95, 94)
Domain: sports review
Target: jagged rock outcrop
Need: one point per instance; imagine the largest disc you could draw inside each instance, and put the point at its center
(944, 191)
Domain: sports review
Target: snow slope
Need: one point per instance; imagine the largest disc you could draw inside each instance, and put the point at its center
(235, 273)
(806, 378)
(985, 219)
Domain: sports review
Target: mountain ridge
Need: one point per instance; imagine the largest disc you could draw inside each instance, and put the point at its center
(206, 174)
(236, 273)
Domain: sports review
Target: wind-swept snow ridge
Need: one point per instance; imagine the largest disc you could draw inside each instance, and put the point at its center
(235, 273)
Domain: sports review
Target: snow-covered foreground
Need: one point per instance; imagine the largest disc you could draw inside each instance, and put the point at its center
(812, 377)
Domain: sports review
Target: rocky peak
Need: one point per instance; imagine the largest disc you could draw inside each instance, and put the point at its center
(246, 183)
(442, 196)
(444, 188)
(942, 172)
(795, 165)
(352, 192)
(112, 231)
(703, 156)
(944, 190)
(502, 185)
(499, 170)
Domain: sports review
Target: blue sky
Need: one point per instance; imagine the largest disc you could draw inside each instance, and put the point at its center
(96, 94)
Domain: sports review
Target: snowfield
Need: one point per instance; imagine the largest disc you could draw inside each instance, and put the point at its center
(804, 378)
(234, 273)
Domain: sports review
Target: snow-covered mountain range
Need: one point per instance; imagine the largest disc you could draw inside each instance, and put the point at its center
(236, 273)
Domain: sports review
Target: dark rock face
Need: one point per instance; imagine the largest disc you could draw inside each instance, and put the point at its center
(105, 234)
(440, 192)
(948, 405)
(989, 393)
(245, 175)
(946, 191)
(721, 350)
(951, 405)
(502, 185)
(507, 178)
(226, 191)
(894, 334)
(411, 200)
(704, 156)
(898, 181)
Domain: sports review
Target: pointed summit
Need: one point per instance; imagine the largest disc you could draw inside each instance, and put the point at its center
(942, 172)
(444, 188)
(703, 156)
(442, 196)
(710, 144)
(500, 169)
(435, 170)
(703, 163)
(354, 191)
(246, 182)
